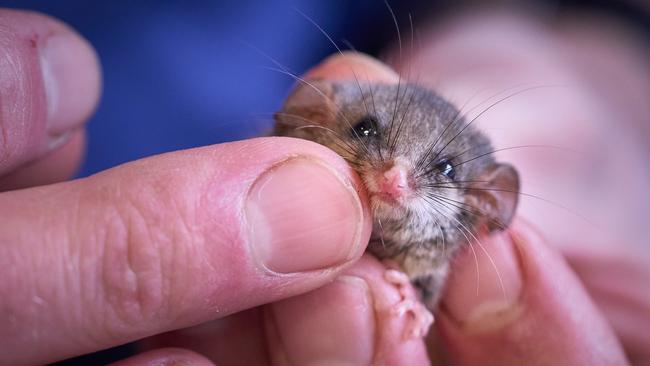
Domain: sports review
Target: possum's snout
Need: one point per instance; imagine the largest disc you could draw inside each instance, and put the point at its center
(393, 183)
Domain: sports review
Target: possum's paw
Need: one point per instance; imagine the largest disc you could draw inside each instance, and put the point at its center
(422, 317)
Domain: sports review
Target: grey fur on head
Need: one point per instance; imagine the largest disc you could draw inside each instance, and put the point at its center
(457, 185)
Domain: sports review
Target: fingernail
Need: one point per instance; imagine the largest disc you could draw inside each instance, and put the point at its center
(333, 325)
(70, 75)
(487, 299)
(303, 216)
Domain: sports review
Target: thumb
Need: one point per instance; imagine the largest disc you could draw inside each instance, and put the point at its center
(528, 307)
(171, 241)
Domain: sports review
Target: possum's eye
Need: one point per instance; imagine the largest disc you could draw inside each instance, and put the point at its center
(366, 127)
(446, 168)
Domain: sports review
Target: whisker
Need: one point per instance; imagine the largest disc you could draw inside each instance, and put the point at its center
(312, 21)
(399, 81)
(349, 45)
(392, 118)
(459, 205)
(550, 202)
(302, 80)
(482, 113)
(564, 149)
(478, 242)
(268, 57)
(363, 99)
(320, 29)
(518, 147)
(442, 235)
(348, 152)
(460, 229)
(401, 123)
(399, 35)
(350, 147)
(457, 117)
(381, 233)
(492, 263)
(412, 33)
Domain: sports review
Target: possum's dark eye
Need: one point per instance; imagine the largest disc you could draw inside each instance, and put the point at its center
(365, 127)
(446, 168)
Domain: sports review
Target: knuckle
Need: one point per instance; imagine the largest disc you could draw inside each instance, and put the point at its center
(144, 249)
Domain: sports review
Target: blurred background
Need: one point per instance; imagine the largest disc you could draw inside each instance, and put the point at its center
(180, 74)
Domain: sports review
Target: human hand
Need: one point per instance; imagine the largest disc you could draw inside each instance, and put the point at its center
(511, 298)
(172, 241)
(169, 242)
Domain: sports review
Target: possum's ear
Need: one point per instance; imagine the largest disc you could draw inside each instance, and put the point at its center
(497, 195)
(311, 102)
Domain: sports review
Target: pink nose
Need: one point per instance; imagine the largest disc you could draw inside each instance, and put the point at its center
(394, 182)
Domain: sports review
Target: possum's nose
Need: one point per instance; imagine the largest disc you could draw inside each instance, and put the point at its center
(394, 182)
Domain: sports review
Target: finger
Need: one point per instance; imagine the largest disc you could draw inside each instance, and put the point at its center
(58, 166)
(527, 305)
(167, 356)
(49, 85)
(332, 325)
(347, 322)
(238, 339)
(172, 241)
(350, 65)
(615, 279)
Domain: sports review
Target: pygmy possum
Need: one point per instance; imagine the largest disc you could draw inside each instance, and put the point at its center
(431, 177)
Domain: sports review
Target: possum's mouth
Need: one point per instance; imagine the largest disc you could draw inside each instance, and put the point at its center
(386, 206)
(387, 199)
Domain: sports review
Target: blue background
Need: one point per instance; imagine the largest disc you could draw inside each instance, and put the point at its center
(184, 74)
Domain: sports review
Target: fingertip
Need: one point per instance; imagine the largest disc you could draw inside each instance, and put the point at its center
(69, 66)
(393, 344)
(333, 325)
(50, 81)
(349, 65)
(484, 289)
(303, 216)
(550, 318)
(348, 322)
(306, 209)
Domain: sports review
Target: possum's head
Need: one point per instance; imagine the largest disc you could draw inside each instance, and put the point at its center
(421, 163)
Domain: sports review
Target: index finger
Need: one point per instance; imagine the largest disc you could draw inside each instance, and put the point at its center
(171, 241)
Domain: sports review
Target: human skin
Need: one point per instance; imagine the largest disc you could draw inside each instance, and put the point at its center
(216, 254)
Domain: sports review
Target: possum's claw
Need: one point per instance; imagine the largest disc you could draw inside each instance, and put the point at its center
(422, 317)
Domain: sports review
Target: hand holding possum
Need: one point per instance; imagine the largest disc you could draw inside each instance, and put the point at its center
(519, 315)
(172, 241)
(431, 178)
